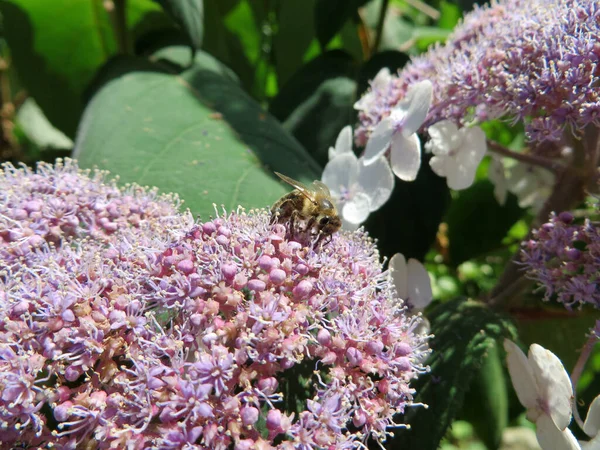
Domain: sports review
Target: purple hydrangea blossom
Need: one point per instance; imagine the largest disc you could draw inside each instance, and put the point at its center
(534, 61)
(162, 333)
(563, 257)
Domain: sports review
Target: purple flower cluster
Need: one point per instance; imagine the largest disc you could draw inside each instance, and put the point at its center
(563, 258)
(535, 61)
(60, 203)
(165, 334)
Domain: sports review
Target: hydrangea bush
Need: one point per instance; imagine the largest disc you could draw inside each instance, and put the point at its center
(127, 324)
(460, 175)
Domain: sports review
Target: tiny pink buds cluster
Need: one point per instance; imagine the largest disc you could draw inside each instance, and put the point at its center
(562, 258)
(166, 334)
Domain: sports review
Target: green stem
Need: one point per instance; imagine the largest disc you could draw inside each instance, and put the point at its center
(380, 23)
(534, 160)
(578, 370)
(117, 11)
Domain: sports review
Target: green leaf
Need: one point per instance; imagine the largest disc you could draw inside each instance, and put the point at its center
(426, 36)
(409, 221)
(189, 14)
(331, 15)
(560, 331)
(464, 331)
(298, 386)
(233, 37)
(475, 212)
(317, 122)
(316, 103)
(38, 130)
(450, 15)
(295, 33)
(194, 132)
(57, 47)
(486, 401)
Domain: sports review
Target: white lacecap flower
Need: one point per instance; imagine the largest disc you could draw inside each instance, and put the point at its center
(398, 132)
(381, 81)
(544, 388)
(457, 152)
(411, 281)
(531, 185)
(357, 189)
(413, 285)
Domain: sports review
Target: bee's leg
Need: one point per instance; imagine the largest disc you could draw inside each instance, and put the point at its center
(281, 212)
(310, 224)
(292, 223)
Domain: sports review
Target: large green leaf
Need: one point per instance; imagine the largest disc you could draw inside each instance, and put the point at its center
(189, 14)
(316, 103)
(465, 332)
(58, 45)
(486, 401)
(194, 132)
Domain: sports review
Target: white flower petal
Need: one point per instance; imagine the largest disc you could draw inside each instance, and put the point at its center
(349, 226)
(443, 136)
(377, 181)
(551, 438)
(343, 143)
(473, 146)
(340, 173)
(379, 141)
(418, 98)
(399, 275)
(554, 384)
(331, 153)
(438, 165)
(382, 79)
(521, 375)
(405, 156)
(362, 102)
(591, 425)
(356, 210)
(459, 176)
(462, 169)
(498, 179)
(419, 285)
(593, 444)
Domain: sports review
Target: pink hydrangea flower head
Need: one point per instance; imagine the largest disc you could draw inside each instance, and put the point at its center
(163, 333)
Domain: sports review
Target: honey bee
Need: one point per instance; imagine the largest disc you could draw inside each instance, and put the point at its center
(312, 206)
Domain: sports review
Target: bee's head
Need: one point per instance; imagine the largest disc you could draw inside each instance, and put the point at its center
(329, 224)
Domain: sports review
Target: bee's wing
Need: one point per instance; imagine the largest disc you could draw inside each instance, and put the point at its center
(321, 188)
(307, 192)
